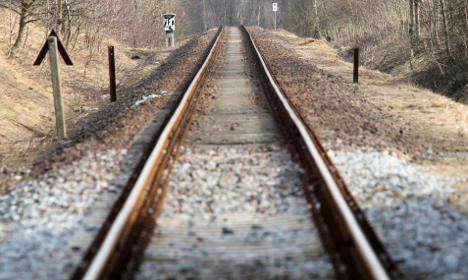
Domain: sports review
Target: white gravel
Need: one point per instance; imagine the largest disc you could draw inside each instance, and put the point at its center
(47, 224)
(235, 213)
(409, 208)
(239, 195)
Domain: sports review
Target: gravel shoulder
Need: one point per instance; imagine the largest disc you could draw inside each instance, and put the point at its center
(402, 150)
(50, 218)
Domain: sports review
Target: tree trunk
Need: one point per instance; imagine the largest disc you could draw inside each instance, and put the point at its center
(411, 31)
(135, 24)
(436, 15)
(416, 18)
(67, 23)
(59, 16)
(411, 18)
(444, 20)
(466, 15)
(317, 34)
(21, 28)
(466, 21)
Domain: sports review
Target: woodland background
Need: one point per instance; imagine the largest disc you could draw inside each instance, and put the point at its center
(424, 41)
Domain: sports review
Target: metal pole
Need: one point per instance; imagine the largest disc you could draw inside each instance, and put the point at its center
(275, 20)
(57, 87)
(112, 87)
(356, 66)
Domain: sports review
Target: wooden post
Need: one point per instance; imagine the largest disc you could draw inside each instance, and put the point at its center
(57, 87)
(112, 86)
(356, 65)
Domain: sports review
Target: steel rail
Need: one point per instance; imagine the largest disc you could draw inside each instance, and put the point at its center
(99, 262)
(367, 253)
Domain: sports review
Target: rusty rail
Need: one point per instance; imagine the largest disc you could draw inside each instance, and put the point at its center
(355, 250)
(140, 203)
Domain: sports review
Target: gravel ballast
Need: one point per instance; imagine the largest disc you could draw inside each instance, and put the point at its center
(235, 212)
(46, 224)
(410, 211)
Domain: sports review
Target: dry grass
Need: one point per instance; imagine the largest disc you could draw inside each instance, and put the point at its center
(422, 107)
(27, 116)
(380, 29)
(430, 118)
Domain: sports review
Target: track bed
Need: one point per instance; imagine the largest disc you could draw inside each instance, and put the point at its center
(235, 206)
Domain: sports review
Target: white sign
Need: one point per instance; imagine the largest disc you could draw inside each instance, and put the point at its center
(275, 7)
(169, 22)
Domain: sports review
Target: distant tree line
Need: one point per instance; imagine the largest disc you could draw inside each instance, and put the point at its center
(135, 22)
(435, 30)
(433, 24)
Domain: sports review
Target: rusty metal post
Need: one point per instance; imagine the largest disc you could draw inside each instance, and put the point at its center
(356, 66)
(112, 86)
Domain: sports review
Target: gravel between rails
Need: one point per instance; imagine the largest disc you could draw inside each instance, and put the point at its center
(235, 212)
(410, 211)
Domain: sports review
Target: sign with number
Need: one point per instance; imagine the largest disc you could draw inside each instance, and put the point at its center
(169, 22)
(275, 7)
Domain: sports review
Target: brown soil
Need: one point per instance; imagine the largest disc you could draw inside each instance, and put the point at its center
(26, 102)
(379, 112)
(27, 119)
(116, 124)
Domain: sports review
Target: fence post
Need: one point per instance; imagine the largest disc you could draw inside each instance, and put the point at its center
(57, 88)
(356, 66)
(112, 86)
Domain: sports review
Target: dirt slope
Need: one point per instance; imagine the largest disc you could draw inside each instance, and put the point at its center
(428, 128)
(435, 122)
(27, 116)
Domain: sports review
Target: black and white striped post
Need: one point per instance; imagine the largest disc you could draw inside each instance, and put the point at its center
(169, 28)
(275, 9)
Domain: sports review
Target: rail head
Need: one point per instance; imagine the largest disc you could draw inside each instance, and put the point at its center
(367, 253)
(107, 248)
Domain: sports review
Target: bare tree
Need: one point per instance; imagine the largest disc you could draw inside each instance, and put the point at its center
(28, 12)
(417, 17)
(444, 20)
(317, 33)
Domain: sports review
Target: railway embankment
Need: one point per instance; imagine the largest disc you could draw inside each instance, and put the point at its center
(49, 219)
(401, 149)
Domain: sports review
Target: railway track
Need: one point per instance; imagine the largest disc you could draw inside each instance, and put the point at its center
(237, 187)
